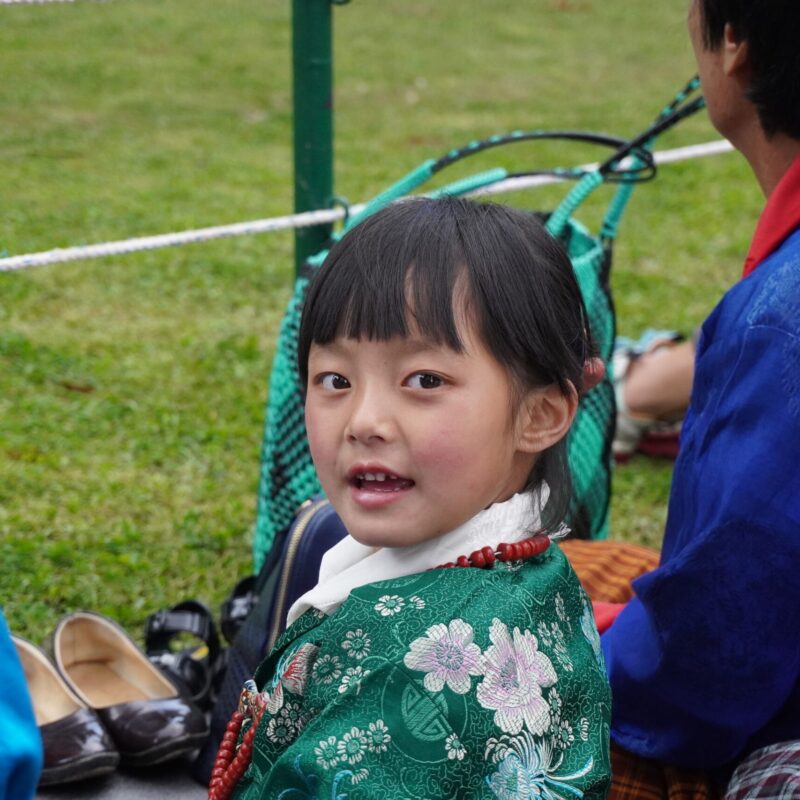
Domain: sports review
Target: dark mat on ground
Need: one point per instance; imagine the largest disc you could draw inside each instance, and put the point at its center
(170, 781)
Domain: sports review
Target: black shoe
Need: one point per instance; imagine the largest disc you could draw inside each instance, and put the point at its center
(76, 745)
(147, 718)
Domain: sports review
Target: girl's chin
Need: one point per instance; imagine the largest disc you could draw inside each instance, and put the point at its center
(378, 536)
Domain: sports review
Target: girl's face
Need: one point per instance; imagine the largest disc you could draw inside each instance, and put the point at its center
(411, 439)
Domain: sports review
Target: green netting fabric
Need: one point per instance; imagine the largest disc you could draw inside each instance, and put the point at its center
(287, 475)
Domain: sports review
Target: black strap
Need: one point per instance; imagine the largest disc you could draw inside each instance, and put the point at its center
(235, 610)
(190, 616)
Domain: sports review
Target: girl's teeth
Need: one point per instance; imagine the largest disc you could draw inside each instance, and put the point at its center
(377, 476)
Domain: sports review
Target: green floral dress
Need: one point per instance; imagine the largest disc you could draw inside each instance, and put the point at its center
(451, 683)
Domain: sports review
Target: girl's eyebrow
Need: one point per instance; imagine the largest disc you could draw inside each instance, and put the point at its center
(409, 345)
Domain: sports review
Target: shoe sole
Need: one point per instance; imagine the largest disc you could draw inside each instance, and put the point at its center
(94, 766)
(163, 752)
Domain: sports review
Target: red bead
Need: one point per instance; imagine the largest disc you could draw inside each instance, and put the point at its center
(488, 554)
(477, 559)
(462, 561)
(540, 544)
(525, 548)
(229, 768)
(505, 551)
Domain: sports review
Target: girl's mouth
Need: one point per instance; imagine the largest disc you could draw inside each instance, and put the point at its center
(380, 482)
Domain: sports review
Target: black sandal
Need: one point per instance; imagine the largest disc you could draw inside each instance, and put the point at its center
(235, 610)
(195, 670)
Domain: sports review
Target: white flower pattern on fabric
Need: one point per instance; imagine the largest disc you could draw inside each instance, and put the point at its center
(281, 730)
(561, 612)
(378, 736)
(359, 776)
(352, 679)
(556, 703)
(357, 644)
(293, 715)
(553, 637)
(327, 753)
(327, 669)
(562, 735)
(352, 747)
(447, 655)
(389, 605)
(418, 602)
(453, 747)
(515, 672)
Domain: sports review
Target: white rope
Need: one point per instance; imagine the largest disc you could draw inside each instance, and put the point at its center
(61, 255)
(304, 220)
(660, 157)
(31, 2)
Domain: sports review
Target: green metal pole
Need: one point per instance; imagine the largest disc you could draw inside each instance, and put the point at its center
(313, 119)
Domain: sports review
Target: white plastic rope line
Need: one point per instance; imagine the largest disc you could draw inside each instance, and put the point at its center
(304, 220)
(660, 157)
(60, 255)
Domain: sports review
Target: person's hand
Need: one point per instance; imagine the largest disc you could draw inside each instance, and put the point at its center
(594, 371)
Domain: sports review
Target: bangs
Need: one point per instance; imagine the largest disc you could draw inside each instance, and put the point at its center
(388, 280)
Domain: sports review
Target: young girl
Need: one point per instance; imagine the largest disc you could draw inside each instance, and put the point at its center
(442, 348)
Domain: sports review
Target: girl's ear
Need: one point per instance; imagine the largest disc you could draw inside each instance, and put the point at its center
(545, 418)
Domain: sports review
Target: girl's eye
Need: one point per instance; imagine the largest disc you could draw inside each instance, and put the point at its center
(424, 380)
(333, 381)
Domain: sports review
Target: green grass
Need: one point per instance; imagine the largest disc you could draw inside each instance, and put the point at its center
(132, 388)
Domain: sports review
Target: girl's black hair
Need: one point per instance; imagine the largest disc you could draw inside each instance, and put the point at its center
(405, 262)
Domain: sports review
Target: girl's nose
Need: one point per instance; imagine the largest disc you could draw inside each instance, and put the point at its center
(370, 419)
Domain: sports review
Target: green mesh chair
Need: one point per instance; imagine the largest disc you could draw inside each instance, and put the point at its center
(288, 478)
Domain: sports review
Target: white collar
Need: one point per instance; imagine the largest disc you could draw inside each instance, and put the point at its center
(348, 564)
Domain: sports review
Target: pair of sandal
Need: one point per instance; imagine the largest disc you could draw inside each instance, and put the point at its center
(182, 641)
(100, 702)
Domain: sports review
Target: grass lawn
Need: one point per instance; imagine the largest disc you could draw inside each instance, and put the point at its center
(132, 388)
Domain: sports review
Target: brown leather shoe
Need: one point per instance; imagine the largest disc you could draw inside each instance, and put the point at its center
(76, 745)
(141, 709)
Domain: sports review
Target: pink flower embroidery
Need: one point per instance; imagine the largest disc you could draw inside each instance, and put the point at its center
(515, 673)
(447, 655)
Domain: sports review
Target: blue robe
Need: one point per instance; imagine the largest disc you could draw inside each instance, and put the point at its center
(704, 661)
